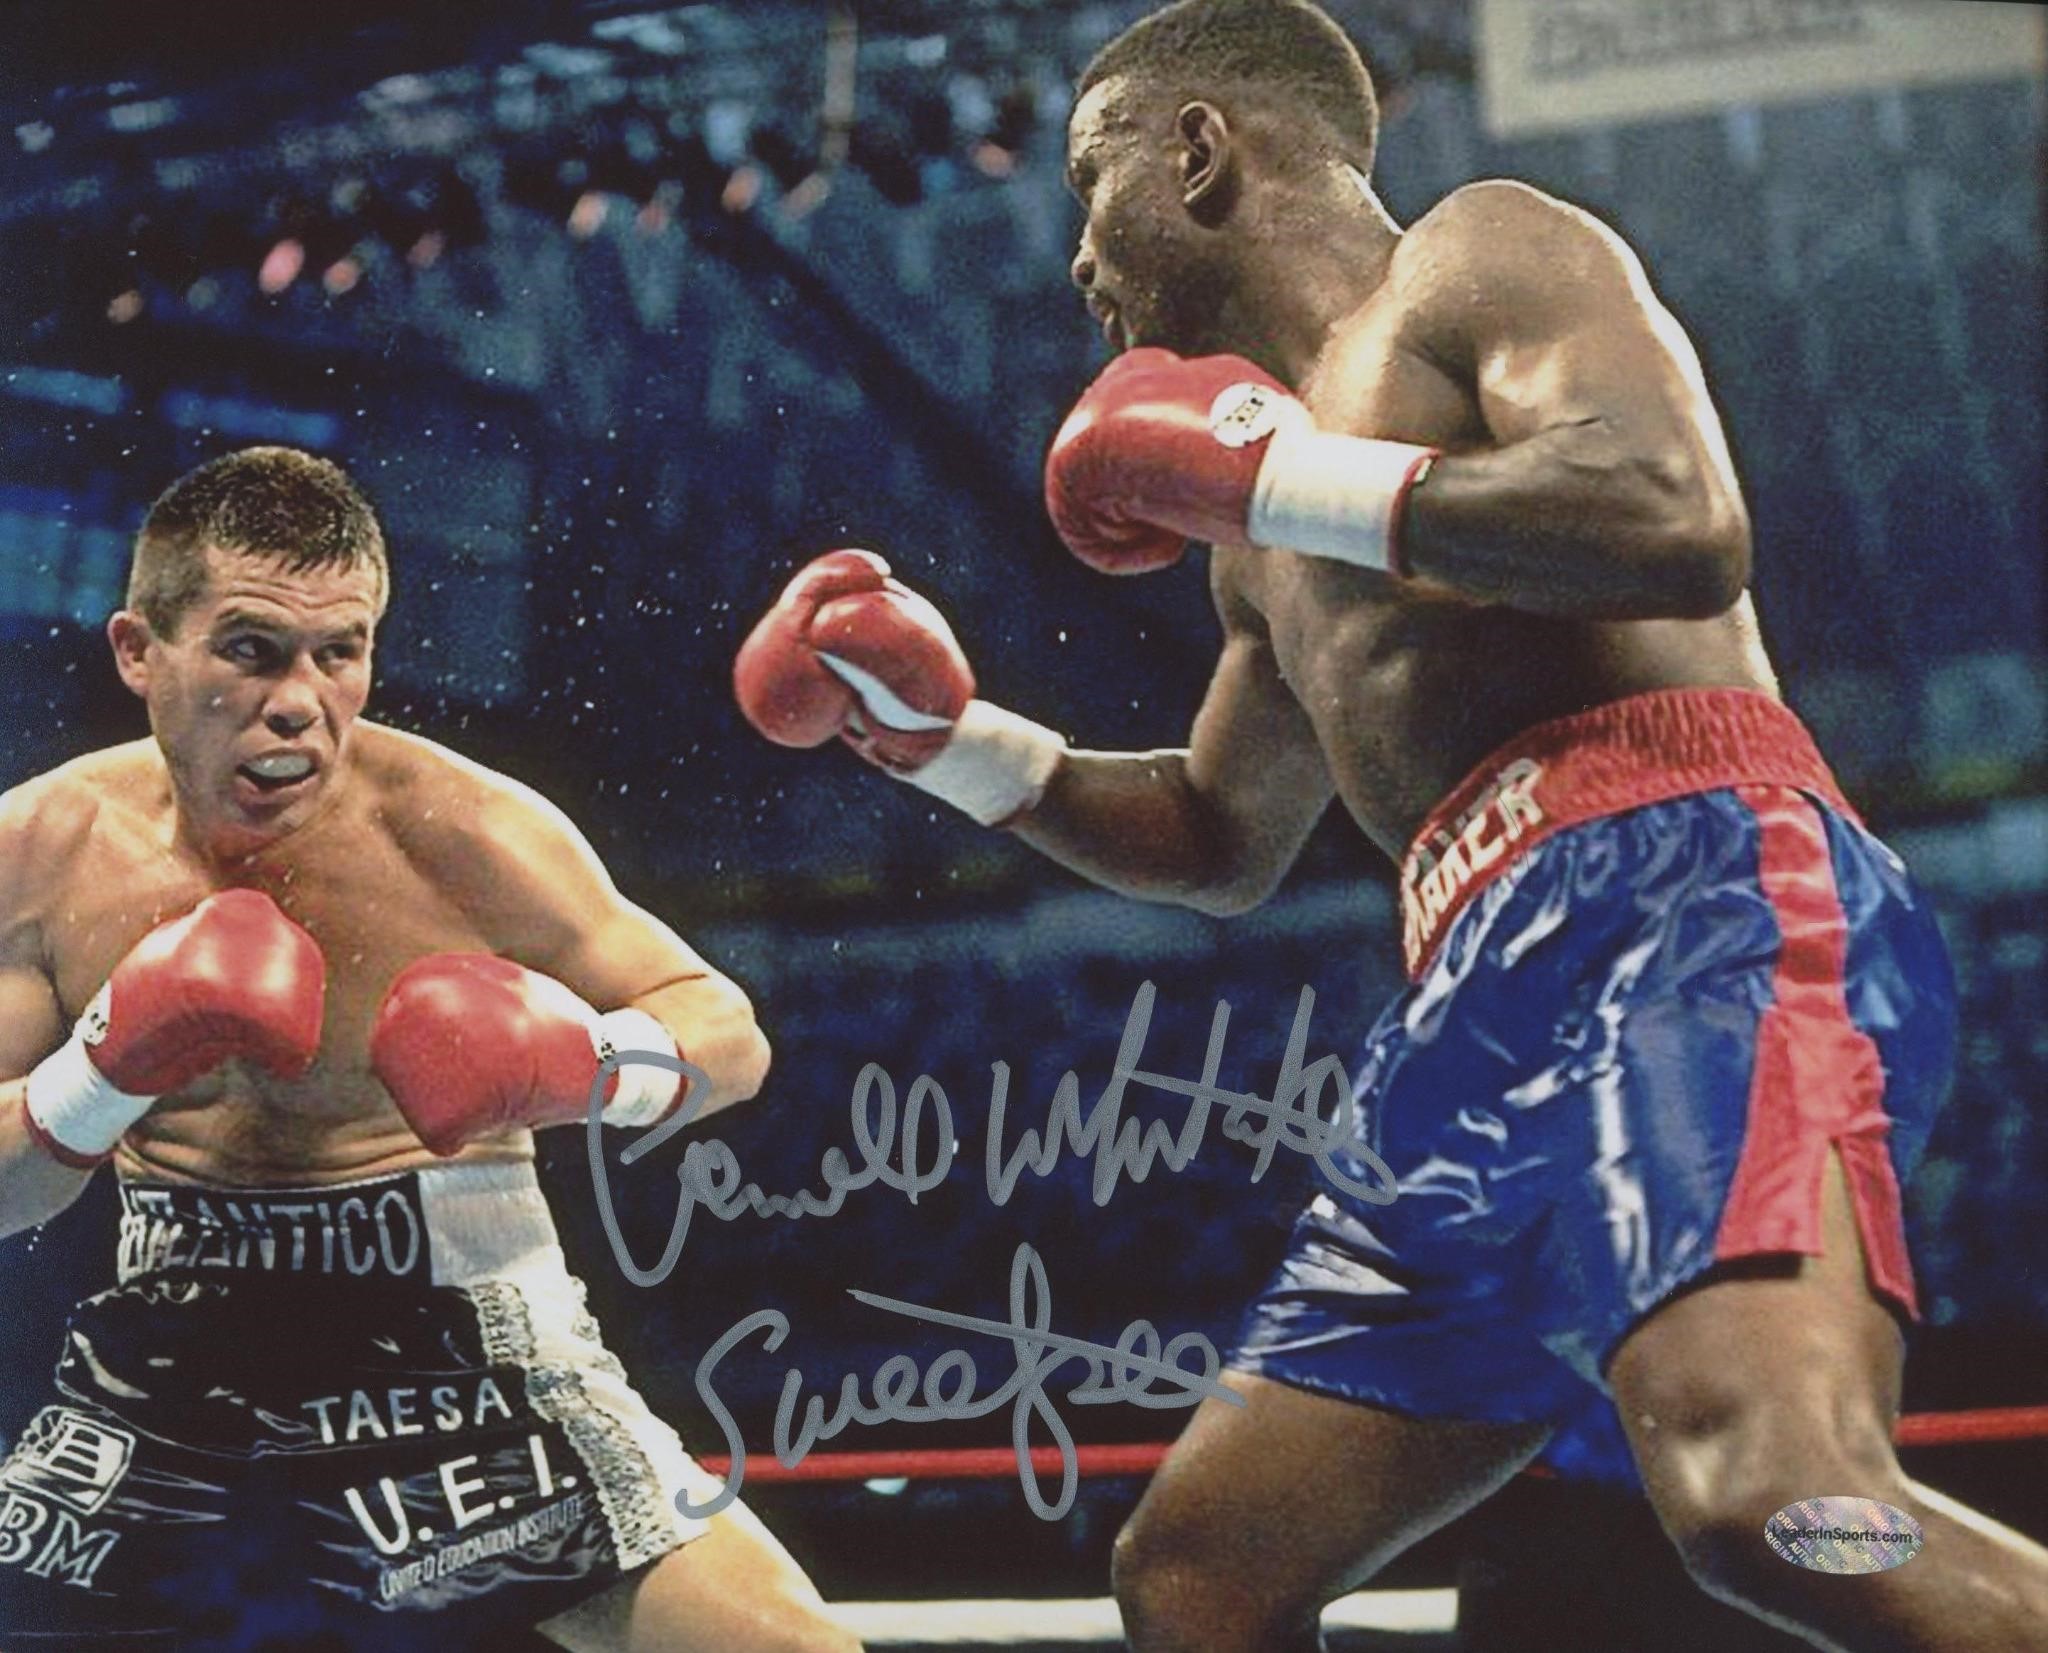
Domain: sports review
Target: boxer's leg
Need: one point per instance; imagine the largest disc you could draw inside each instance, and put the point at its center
(1391, 1373)
(1264, 1513)
(733, 1588)
(1777, 1378)
(1771, 1384)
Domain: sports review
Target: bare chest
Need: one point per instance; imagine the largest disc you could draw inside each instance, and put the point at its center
(367, 906)
(1330, 623)
(1404, 684)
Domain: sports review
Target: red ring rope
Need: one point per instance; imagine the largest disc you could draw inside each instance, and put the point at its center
(977, 1463)
(2002, 1423)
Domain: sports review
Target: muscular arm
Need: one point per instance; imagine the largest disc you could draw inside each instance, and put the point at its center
(1213, 827)
(564, 917)
(1610, 494)
(33, 1186)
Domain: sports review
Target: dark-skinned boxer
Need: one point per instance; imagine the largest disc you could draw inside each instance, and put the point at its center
(1677, 1022)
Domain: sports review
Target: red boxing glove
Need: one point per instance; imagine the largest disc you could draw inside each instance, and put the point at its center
(233, 979)
(848, 650)
(1154, 455)
(1161, 450)
(469, 1045)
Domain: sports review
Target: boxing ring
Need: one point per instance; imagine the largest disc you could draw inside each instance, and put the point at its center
(622, 315)
(1411, 1619)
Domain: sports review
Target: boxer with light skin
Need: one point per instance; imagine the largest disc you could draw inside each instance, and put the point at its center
(1677, 1023)
(313, 961)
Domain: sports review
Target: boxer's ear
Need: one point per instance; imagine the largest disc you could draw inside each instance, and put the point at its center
(130, 635)
(1209, 161)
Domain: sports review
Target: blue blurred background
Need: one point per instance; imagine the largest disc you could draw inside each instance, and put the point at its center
(619, 322)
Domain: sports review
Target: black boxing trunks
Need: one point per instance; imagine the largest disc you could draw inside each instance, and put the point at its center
(375, 1411)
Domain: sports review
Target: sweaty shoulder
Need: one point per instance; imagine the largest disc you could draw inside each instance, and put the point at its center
(46, 822)
(1497, 256)
(437, 804)
(1499, 222)
(491, 843)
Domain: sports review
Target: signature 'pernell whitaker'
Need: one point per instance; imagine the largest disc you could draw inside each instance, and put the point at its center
(917, 1154)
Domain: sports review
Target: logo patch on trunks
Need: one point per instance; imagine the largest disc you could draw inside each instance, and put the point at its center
(50, 1543)
(70, 1458)
(546, 1523)
(369, 1229)
(1437, 875)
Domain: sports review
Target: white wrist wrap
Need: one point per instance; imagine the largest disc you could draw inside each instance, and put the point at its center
(995, 766)
(70, 1100)
(1335, 496)
(646, 1090)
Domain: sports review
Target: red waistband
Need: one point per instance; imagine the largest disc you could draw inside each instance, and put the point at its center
(1623, 755)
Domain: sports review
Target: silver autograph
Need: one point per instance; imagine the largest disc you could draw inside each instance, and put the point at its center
(948, 1388)
(912, 1148)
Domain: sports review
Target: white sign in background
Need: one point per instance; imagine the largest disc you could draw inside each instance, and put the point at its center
(1550, 64)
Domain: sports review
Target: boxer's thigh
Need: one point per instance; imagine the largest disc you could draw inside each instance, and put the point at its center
(1434, 1303)
(735, 1587)
(1790, 1012)
(1294, 1497)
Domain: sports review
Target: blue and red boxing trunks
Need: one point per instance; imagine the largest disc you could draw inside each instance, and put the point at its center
(1658, 972)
